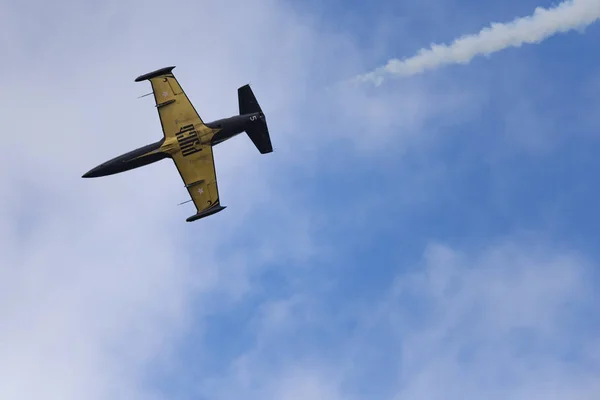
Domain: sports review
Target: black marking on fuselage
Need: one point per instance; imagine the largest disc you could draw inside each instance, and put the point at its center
(188, 140)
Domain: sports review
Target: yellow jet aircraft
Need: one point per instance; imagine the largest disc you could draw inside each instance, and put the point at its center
(188, 141)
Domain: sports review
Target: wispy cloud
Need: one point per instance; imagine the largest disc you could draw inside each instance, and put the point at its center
(544, 23)
(100, 280)
(498, 323)
(513, 320)
(97, 277)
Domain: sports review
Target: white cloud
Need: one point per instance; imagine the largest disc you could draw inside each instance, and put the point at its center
(97, 276)
(309, 383)
(500, 323)
(407, 115)
(513, 320)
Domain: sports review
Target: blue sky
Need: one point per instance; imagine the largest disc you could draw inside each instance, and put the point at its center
(431, 238)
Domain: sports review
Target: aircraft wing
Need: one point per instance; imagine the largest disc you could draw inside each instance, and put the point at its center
(174, 108)
(199, 175)
(195, 162)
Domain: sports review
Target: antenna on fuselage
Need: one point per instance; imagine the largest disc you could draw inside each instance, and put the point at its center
(144, 95)
(184, 202)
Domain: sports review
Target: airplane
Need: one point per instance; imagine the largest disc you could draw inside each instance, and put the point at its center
(188, 141)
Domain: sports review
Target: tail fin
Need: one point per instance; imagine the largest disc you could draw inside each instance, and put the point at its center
(258, 132)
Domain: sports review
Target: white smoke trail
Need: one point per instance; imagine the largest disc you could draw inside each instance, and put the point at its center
(568, 15)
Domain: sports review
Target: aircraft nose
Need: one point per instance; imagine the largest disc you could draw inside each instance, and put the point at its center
(92, 173)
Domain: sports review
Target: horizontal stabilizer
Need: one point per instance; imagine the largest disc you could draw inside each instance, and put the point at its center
(247, 101)
(259, 131)
(260, 138)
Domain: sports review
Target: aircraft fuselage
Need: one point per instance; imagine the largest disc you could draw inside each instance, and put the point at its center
(220, 131)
